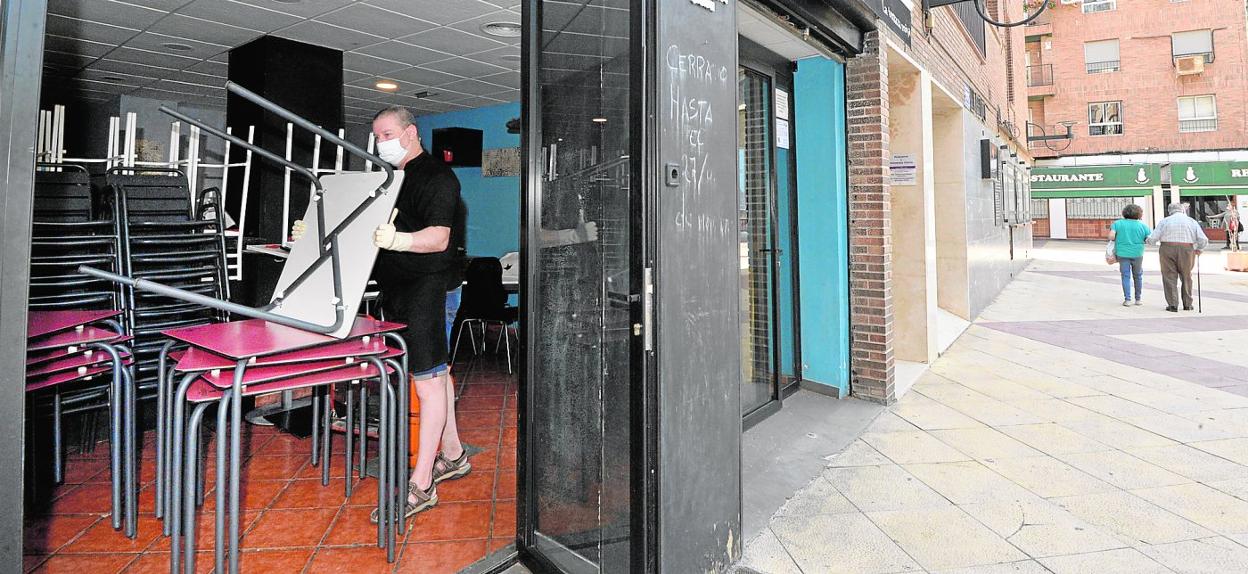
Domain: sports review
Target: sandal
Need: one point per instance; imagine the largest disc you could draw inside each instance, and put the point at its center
(446, 469)
(425, 499)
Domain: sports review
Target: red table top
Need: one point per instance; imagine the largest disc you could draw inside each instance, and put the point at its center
(36, 358)
(201, 390)
(86, 358)
(73, 338)
(195, 359)
(263, 374)
(64, 377)
(257, 338)
(40, 323)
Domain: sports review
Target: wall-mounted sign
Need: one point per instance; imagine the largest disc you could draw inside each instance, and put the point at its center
(903, 169)
(895, 14)
(782, 134)
(1095, 181)
(782, 104)
(1210, 178)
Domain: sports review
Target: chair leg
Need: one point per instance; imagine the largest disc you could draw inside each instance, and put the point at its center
(223, 411)
(326, 437)
(507, 334)
(316, 425)
(58, 453)
(363, 416)
(349, 437)
(458, 337)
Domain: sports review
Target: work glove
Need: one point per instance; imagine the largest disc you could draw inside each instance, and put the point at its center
(297, 229)
(386, 237)
(586, 232)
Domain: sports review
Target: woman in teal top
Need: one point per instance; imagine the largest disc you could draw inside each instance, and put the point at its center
(1128, 235)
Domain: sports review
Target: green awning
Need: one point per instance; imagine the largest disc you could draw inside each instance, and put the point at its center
(1078, 193)
(1207, 191)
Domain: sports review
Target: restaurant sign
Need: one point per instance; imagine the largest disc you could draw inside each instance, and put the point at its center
(1095, 181)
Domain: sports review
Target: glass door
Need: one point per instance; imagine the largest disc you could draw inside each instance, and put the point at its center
(758, 250)
(581, 292)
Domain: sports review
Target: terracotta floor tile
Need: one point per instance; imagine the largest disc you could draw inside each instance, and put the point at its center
(440, 557)
(30, 562)
(285, 444)
(290, 528)
(273, 467)
(80, 563)
(467, 403)
(45, 534)
(362, 560)
(497, 544)
(486, 389)
(292, 560)
(353, 528)
(504, 519)
(150, 563)
(478, 420)
(486, 460)
(481, 438)
(511, 417)
(102, 538)
(337, 469)
(308, 493)
(506, 484)
(205, 533)
(78, 471)
(90, 497)
(258, 494)
(476, 485)
(509, 437)
(452, 521)
(507, 458)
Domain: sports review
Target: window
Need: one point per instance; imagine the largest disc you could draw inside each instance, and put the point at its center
(1090, 6)
(973, 24)
(1100, 57)
(1105, 118)
(1198, 114)
(1192, 43)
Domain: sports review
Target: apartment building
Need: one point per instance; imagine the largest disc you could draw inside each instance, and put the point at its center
(1143, 101)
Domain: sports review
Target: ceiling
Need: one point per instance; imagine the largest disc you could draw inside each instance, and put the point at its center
(179, 49)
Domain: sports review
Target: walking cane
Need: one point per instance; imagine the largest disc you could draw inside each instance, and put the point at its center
(1200, 307)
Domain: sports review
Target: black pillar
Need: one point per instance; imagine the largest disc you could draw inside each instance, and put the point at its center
(306, 80)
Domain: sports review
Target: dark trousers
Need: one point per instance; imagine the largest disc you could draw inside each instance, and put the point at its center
(1176, 267)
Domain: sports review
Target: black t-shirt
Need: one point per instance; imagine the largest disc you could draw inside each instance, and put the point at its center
(428, 197)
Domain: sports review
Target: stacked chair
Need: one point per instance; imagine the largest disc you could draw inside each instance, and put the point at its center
(69, 349)
(176, 301)
(165, 239)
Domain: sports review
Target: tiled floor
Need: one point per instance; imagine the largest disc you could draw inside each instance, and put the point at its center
(291, 523)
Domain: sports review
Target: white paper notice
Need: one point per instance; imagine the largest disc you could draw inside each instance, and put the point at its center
(782, 134)
(782, 104)
(903, 169)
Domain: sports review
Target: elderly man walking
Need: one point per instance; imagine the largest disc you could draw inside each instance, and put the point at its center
(1181, 240)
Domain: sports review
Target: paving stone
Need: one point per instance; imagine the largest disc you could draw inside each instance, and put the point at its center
(912, 447)
(1123, 561)
(765, 553)
(1234, 449)
(841, 544)
(1179, 428)
(858, 453)
(945, 538)
(967, 482)
(1191, 462)
(1135, 520)
(1115, 406)
(1204, 505)
(1053, 410)
(1122, 470)
(1052, 438)
(889, 422)
(929, 415)
(982, 443)
(993, 413)
(1116, 433)
(1204, 556)
(1041, 528)
(1024, 567)
(818, 497)
(1047, 476)
(881, 488)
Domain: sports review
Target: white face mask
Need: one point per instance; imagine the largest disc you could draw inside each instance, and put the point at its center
(391, 151)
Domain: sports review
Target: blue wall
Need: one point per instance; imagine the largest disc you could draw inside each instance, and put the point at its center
(493, 202)
(819, 98)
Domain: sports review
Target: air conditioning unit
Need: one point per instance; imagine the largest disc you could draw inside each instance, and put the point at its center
(1189, 65)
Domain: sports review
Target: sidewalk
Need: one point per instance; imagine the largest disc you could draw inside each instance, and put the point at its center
(1061, 433)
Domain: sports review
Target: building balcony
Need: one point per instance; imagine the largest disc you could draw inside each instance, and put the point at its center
(1041, 27)
(1040, 81)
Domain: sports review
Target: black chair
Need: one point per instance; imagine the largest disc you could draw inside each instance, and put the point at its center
(483, 302)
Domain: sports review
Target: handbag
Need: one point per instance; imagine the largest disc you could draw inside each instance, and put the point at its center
(1110, 257)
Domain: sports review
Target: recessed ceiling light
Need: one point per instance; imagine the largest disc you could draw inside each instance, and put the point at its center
(599, 120)
(424, 94)
(386, 85)
(502, 29)
(177, 47)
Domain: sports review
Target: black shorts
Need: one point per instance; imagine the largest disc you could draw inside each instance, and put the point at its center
(420, 303)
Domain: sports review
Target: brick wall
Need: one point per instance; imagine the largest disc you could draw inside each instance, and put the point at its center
(955, 63)
(1088, 228)
(1040, 227)
(870, 249)
(1150, 115)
